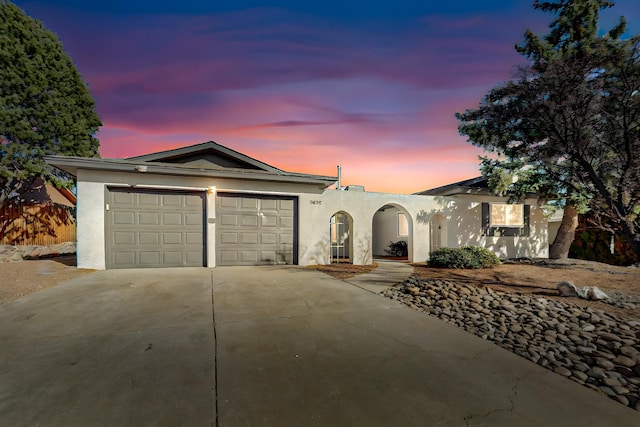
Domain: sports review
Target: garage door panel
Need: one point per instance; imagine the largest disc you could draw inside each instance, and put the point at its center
(149, 238)
(172, 200)
(228, 219)
(286, 205)
(255, 238)
(174, 218)
(155, 229)
(228, 257)
(194, 202)
(124, 237)
(124, 258)
(268, 257)
(249, 238)
(194, 239)
(249, 220)
(228, 202)
(126, 218)
(249, 204)
(231, 237)
(269, 205)
(172, 257)
(286, 239)
(193, 219)
(148, 199)
(249, 256)
(150, 258)
(269, 220)
(123, 199)
(193, 258)
(172, 238)
(268, 238)
(148, 218)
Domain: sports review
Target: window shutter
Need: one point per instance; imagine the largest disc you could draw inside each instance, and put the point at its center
(486, 220)
(526, 230)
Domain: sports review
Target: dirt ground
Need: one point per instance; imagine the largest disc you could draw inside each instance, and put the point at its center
(343, 271)
(25, 277)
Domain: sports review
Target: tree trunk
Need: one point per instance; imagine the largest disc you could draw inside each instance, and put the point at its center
(631, 235)
(566, 233)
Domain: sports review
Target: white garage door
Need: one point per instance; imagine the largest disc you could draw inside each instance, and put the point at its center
(146, 228)
(255, 230)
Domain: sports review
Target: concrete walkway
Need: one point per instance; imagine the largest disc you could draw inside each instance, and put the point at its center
(388, 273)
(263, 346)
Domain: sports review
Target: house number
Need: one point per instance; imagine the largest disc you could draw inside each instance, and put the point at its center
(316, 202)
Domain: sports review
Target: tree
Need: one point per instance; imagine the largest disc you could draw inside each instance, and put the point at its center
(45, 107)
(567, 126)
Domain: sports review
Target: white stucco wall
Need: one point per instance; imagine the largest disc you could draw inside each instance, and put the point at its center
(461, 215)
(91, 206)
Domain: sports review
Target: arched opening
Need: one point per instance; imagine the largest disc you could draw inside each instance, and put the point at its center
(392, 229)
(341, 248)
(437, 232)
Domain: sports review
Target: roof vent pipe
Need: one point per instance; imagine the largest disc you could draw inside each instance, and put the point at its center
(339, 178)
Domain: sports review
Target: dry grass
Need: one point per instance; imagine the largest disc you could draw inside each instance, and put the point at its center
(343, 270)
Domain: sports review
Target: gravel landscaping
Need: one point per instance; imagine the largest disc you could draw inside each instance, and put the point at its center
(587, 345)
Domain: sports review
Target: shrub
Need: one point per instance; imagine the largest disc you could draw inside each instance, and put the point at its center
(464, 257)
(398, 248)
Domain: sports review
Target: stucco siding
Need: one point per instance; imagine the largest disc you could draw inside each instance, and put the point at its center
(459, 218)
(90, 246)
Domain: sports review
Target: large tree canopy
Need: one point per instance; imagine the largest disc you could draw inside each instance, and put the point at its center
(45, 107)
(567, 126)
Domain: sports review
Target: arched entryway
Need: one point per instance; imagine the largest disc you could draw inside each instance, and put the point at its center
(437, 232)
(341, 248)
(392, 228)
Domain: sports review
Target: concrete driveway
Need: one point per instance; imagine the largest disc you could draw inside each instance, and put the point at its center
(262, 346)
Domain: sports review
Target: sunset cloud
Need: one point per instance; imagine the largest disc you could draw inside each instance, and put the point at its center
(299, 85)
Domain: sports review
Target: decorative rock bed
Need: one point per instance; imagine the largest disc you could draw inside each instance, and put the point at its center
(591, 347)
(9, 253)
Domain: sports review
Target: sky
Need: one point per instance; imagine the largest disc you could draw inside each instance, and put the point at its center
(303, 85)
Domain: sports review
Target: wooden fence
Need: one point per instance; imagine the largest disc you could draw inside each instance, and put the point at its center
(36, 224)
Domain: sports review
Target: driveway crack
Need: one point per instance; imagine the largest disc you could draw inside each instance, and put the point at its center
(512, 404)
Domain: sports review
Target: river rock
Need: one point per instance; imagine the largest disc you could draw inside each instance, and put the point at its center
(567, 289)
(592, 347)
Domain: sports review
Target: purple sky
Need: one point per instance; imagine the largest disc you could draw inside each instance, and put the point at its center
(301, 85)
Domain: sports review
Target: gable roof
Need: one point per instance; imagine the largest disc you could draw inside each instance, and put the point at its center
(477, 185)
(205, 155)
(208, 159)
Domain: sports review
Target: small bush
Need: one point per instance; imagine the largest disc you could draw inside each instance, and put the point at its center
(464, 257)
(398, 248)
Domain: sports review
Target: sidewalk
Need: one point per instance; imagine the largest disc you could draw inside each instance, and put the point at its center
(386, 275)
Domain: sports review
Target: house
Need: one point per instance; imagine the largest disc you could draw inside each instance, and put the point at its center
(208, 205)
(40, 214)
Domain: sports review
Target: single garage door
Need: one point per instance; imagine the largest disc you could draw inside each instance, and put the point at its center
(254, 230)
(147, 228)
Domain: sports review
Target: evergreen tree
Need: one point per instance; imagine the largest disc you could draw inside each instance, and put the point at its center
(45, 107)
(567, 126)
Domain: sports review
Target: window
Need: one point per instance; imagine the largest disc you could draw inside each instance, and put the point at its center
(403, 225)
(506, 215)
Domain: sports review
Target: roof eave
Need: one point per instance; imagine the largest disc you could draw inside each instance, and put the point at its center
(73, 164)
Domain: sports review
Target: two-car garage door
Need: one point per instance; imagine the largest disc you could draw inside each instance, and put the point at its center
(154, 228)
